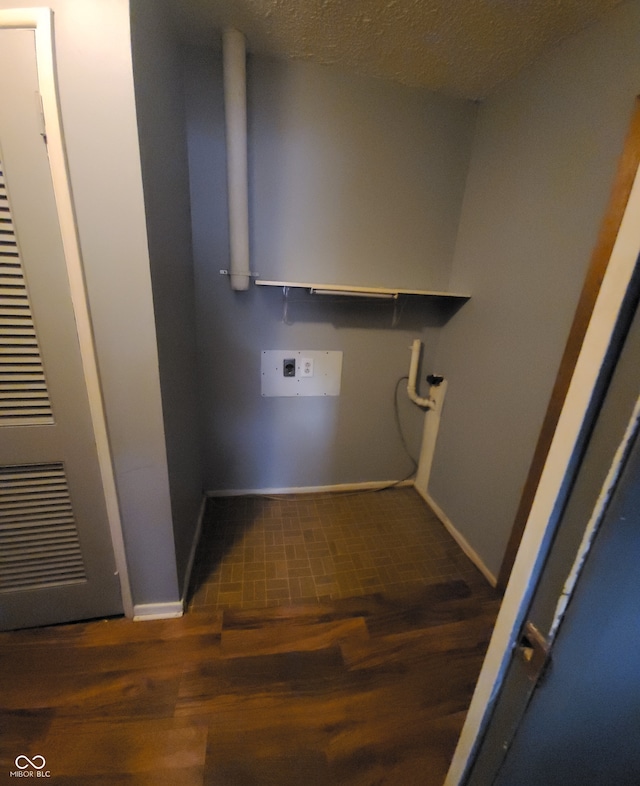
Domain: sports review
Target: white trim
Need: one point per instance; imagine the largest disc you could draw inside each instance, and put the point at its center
(40, 20)
(459, 537)
(542, 517)
(145, 612)
(367, 486)
(194, 549)
(25, 18)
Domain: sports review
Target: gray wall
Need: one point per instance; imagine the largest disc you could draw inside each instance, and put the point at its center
(165, 174)
(543, 162)
(98, 112)
(354, 180)
(351, 181)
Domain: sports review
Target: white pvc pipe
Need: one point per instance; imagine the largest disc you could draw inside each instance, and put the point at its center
(413, 375)
(235, 110)
(429, 438)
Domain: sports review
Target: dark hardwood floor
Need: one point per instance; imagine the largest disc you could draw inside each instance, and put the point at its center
(331, 639)
(356, 691)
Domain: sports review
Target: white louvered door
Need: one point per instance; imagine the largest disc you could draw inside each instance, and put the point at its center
(24, 398)
(56, 556)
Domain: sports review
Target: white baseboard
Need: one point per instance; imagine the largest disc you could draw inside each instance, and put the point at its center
(366, 486)
(143, 612)
(194, 549)
(459, 537)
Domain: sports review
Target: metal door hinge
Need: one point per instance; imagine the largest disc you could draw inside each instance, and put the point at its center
(533, 649)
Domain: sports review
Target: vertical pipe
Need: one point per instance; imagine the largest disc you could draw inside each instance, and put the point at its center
(413, 376)
(429, 437)
(235, 110)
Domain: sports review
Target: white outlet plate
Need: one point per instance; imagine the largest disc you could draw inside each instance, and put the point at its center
(322, 378)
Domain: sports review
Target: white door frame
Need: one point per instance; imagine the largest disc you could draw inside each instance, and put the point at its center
(543, 515)
(40, 20)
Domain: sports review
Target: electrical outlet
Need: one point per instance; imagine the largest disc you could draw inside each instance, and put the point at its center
(306, 367)
(300, 372)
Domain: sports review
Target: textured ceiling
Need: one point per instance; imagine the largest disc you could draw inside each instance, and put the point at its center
(460, 47)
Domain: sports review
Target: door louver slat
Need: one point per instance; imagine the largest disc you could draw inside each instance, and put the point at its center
(39, 545)
(16, 515)
(26, 524)
(43, 536)
(33, 544)
(21, 370)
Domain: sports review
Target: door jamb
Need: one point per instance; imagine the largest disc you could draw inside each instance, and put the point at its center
(40, 20)
(544, 512)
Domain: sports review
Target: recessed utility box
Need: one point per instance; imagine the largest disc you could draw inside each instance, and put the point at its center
(317, 372)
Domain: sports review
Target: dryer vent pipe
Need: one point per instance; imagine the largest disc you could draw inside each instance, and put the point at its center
(235, 110)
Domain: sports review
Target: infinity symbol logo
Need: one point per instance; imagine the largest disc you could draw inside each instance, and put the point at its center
(30, 762)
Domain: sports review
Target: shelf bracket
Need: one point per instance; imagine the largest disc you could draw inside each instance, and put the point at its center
(285, 307)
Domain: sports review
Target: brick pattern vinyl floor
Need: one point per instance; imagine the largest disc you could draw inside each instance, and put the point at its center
(256, 552)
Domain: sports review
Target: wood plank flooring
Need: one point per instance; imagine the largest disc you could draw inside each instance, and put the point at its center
(359, 691)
